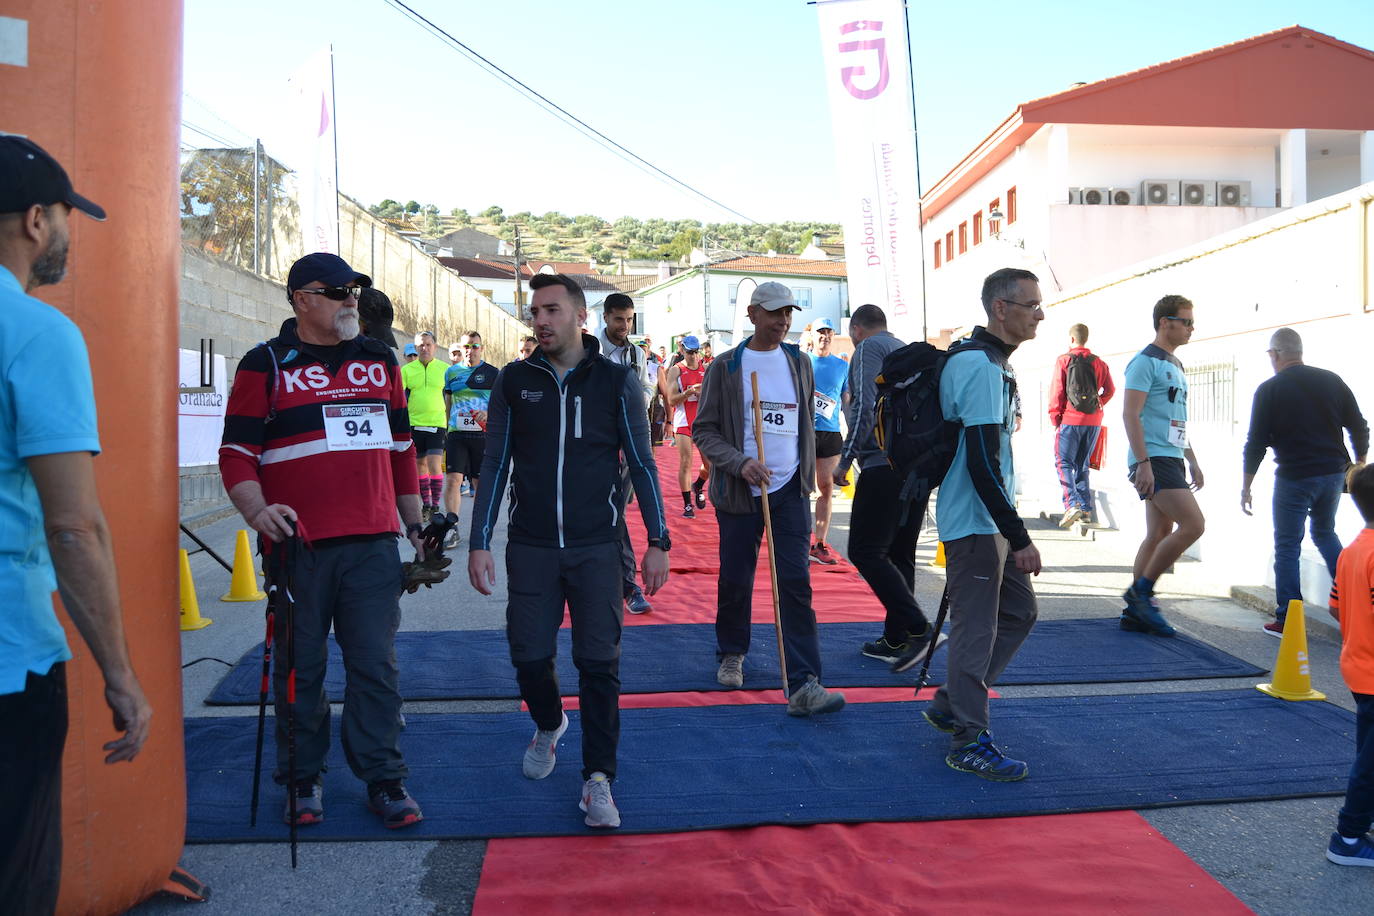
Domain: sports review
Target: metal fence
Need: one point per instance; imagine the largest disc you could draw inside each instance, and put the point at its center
(1212, 393)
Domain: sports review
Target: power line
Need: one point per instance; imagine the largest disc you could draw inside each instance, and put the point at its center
(557, 110)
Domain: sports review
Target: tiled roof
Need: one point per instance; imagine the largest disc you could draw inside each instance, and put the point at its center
(629, 283)
(480, 268)
(798, 267)
(562, 267)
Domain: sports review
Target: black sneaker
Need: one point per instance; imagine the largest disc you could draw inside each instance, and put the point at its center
(389, 800)
(917, 648)
(697, 486)
(1144, 612)
(941, 720)
(309, 804)
(883, 650)
(688, 512)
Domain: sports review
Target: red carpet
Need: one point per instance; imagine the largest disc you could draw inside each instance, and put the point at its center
(745, 697)
(1111, 862)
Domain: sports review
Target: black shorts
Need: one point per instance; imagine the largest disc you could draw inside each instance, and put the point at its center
(429, 440)
(1169, 474)
(828, 444)
(463, 454)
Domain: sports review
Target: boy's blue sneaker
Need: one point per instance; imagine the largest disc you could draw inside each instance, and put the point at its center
(1360, 852)
(982, 758)
(1143, 610)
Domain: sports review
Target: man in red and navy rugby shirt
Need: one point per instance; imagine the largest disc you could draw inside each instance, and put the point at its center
(317, 433)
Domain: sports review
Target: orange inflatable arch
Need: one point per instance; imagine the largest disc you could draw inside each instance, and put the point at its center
(99, 86)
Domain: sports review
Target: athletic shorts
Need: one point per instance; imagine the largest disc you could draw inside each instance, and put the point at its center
(1169, 474)
(828, 444)
(463, 454)
(429, 440)
(683, 431)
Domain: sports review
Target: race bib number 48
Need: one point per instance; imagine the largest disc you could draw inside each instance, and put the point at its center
(349, 427)
(779, 418)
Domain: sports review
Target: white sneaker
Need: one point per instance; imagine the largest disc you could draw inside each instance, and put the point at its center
(540, 755)
(597, 802)
(1070, 516)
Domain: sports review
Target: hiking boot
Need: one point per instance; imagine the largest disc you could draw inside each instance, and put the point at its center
(917, 648)
(883, 650)
(982, 758)
(541, 754)
(821, 553)
(941, 720)
(731, 671)
(1144, 610)
(1360, 852)
(1070, 516)
(1274, 628)
(813, 699)
(688, 512)
(699, 497)
(309, 803)
(389, 800)
(637, 603)
(597, 802)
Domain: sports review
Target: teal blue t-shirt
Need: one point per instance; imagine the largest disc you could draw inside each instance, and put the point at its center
(832, 379)
(1159, 374)
(469, 391)
(974, 391)
(47, 407)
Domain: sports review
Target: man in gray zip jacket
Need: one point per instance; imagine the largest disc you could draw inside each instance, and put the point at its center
(724, 432)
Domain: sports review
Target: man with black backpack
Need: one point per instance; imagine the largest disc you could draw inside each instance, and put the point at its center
(1080, 389)
(989, 554)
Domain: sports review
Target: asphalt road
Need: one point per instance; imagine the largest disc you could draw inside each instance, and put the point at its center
(1268, 853)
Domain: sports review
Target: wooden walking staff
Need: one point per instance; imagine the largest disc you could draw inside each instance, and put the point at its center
(768, 533)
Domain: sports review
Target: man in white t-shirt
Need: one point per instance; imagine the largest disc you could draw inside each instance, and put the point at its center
(787, 472)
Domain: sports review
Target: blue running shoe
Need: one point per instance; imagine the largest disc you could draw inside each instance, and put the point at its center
(1145, 611)
(1360, 852)
(941, 720)
(982, 758)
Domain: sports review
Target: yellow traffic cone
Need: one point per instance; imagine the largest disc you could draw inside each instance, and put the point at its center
(190, 606)
(939, 555)
(244, 585)
(1292, 676)
(847, 491)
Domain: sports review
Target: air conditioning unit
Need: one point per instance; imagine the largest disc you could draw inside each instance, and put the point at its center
(1122, 197)
(1095, 197)
(1193, 192)
(1159, 192)
(1075, 195)
(1233, 193)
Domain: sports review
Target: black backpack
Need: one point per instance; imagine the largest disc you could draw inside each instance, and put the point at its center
(1080, 383)
(909, 424)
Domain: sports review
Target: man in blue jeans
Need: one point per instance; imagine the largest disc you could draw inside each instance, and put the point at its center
(1300, 413)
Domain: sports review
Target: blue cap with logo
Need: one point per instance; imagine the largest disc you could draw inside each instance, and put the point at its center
(822, 324)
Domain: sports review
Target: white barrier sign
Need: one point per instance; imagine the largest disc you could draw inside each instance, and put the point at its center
(200, 415)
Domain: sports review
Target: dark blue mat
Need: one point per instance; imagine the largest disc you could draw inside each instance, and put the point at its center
(666, 658)
(730, 766)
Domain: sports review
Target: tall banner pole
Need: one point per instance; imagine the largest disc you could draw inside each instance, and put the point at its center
(865, 54)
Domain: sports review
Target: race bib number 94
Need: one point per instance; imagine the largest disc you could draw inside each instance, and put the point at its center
(779, 418)
(349, 427)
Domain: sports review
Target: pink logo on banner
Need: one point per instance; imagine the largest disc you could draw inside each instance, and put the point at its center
(324, 114)
(879, 45)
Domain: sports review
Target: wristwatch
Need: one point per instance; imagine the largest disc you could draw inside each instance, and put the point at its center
(664, 543)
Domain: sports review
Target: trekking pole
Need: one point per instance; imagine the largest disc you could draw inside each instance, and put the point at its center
(288, 566)
(768, 533)
(924, 677)
(273, 596)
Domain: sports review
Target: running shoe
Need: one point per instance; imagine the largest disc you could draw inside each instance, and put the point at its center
(1360, 852)
(688, 512)
(637, 603)
(812, 700)
(821, 553)
(309, 804)
(1070, 516)
(541, 755)
(917, 648)
(941, 720)
(982, 758)
(390, 801)
(452, 538)
(697, 495)
(597, 802)
(1144, 610)
(883, 650)
(1274, 628)
(731, 671)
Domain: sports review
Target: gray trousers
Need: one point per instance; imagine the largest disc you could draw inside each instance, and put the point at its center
(628, 568)
(356, 587)
(991, 612)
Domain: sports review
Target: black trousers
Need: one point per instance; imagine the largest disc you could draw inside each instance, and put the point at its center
(31, 794)
(884, 551)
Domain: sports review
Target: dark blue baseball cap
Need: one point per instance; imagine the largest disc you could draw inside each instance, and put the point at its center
(28, 176)
(329, 269)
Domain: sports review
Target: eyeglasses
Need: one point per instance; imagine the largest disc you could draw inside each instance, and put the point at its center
(1025, 305)
(337, 293)
(1186, 322)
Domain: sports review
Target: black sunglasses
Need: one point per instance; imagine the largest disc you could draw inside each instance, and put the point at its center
(337, 293)
(1186, 322)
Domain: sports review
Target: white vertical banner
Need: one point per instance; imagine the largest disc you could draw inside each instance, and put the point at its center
(864, 46)
(311, 110)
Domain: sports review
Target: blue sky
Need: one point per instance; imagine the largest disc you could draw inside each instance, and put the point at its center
(726, 95)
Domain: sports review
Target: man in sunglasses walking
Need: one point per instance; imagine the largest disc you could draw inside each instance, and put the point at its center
(317, 443)
(1156, 418)
(467, 395)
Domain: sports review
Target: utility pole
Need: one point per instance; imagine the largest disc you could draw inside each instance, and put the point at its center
(519, 289)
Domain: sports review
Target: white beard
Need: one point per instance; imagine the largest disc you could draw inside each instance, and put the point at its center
(346, 323)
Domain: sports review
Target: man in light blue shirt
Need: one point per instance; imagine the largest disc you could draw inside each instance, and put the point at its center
(832, 394)
(990, 556)
(52, 532)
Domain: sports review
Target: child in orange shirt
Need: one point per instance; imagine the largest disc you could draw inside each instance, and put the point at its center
(1352, 603)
